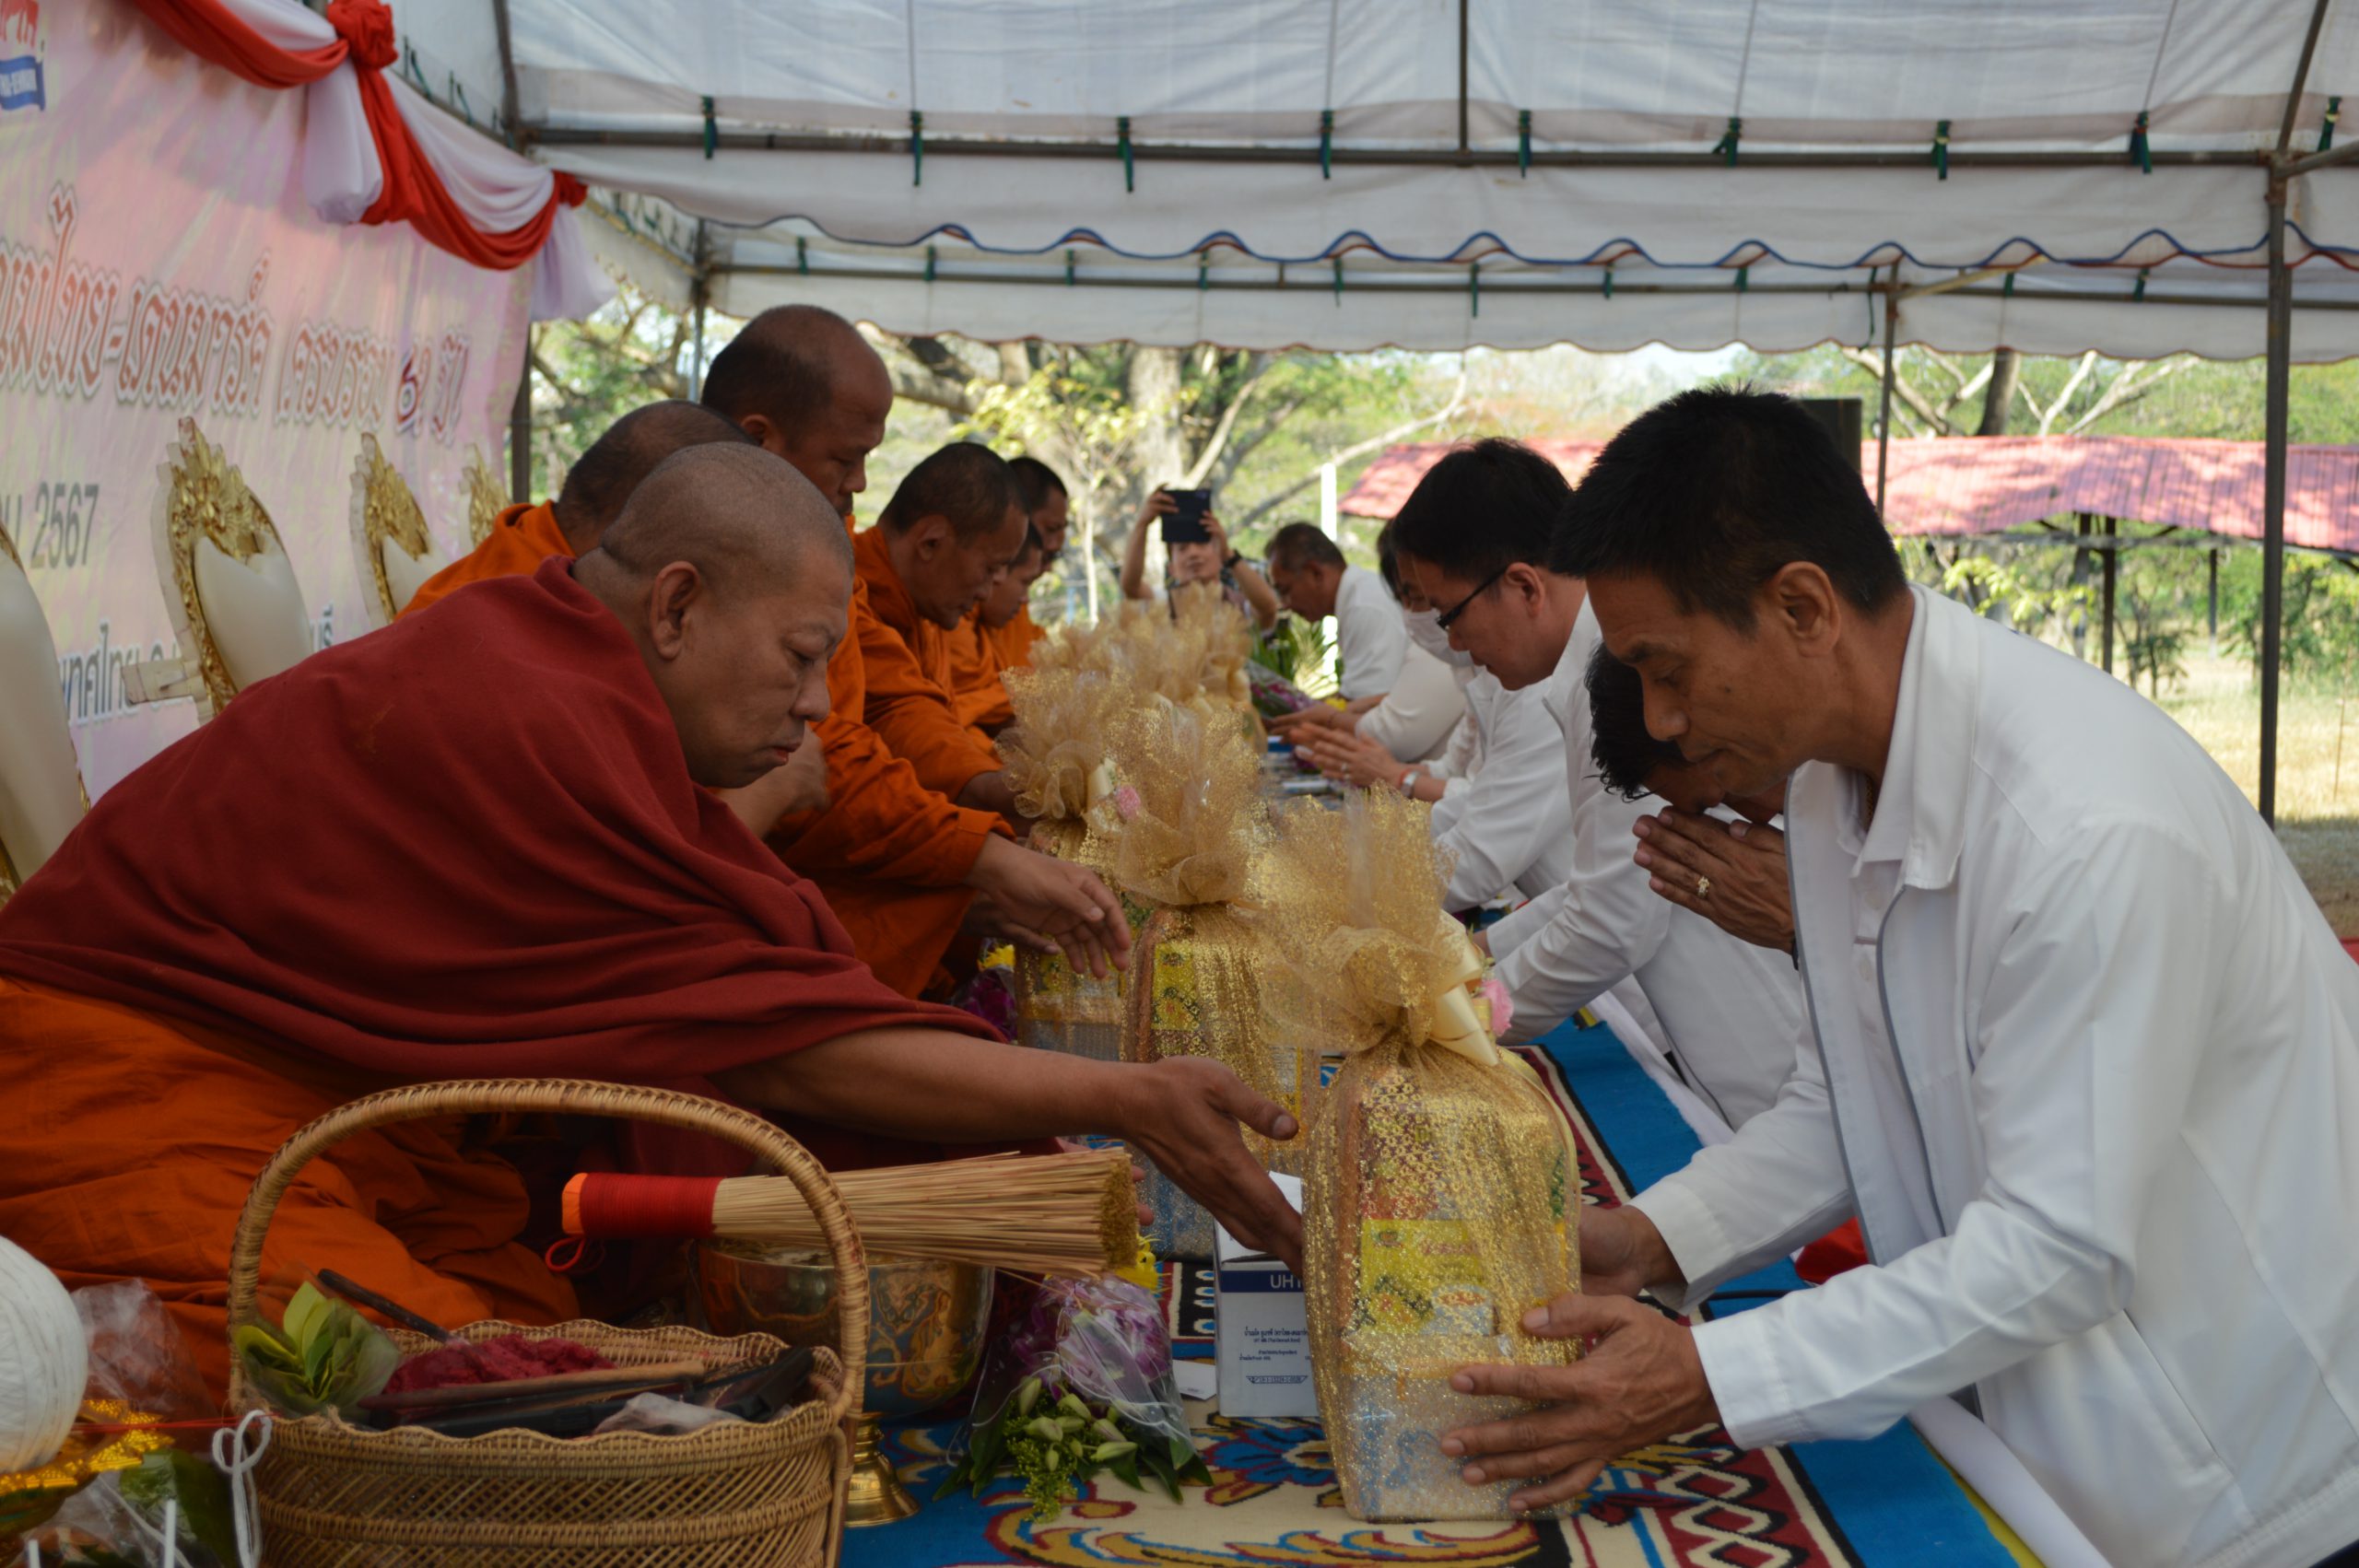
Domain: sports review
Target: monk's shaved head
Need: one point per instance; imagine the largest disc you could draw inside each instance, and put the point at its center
(734, 576)
(598, 485)
(803, 382)
(746, 520)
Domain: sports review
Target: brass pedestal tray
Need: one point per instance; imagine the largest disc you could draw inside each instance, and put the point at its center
(927, 1324)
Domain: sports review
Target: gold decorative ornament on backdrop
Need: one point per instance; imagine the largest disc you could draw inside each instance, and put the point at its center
(1187, 848)
(487, 497)
(385, 512)
(1440, 1193)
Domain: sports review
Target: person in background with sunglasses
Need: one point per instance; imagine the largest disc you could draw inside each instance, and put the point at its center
(1727, 1018)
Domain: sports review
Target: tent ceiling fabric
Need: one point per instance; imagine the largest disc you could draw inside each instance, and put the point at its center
(1021, 103)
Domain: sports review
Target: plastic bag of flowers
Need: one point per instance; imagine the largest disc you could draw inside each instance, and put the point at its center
(1079, 1383)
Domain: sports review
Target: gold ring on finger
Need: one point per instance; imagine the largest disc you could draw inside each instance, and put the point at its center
(1703, 888)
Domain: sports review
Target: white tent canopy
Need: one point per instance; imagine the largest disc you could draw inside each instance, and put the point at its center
(1548, 141)
(2136, 177)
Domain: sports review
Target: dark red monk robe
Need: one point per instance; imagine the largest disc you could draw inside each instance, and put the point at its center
(466, 846)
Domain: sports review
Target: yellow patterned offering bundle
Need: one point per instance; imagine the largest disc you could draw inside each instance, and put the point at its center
(1187, 848)
(1057, 762)
(1439, 1200)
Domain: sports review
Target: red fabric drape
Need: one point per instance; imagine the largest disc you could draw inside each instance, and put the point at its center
(413, 192)
(465, 846)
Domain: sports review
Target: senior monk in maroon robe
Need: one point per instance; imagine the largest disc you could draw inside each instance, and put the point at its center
(474, 845)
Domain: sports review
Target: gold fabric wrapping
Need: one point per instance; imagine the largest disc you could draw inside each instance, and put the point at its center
(1187, 848)
(1055, 756)
(1439, 1202)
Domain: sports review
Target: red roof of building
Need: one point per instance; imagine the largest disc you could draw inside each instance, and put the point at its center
(2003, 483)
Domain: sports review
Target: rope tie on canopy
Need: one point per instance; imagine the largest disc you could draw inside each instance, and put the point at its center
(1523, 144)
(1068, 269)
(1474, 286)
(1942, 150)
(2007, 289)
(2326, 131)
(929, 263)
(2142, 152)
(1725, 146)
(711, 129)
(1743, 277)
(2138, 291)
(917, 148)
(1609, 278)
(802, 256)
(1339, 280)
(1204, 269)
(1326, 144)
(1122, 136)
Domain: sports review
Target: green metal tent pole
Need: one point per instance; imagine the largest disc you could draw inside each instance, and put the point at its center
(520, 431)
(1883, 414)
(2112, 575)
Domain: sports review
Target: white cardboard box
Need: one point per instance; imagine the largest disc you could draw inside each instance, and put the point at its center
(1262, 1337)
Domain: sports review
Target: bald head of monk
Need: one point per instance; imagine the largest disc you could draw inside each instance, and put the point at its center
(603, 478)
(953, 529)
(804, 384)
(734, 577)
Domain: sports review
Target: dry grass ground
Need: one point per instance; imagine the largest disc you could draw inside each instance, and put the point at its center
(2317, 800)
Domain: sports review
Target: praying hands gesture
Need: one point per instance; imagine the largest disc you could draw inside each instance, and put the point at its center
(1732, 874)
(1350, 757)
(1638, 1382)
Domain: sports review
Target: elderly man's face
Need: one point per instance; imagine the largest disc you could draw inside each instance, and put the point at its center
(1736, 704)
(750, 674)
(1308, 590)
(954, 574)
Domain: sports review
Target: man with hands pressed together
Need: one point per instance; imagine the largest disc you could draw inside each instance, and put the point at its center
(2087, 1060)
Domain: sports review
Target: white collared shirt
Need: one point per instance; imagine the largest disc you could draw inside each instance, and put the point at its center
(2094, 1091)
(1509, 833)
(1732, 1014)
(1415, 721)
(1369, 637)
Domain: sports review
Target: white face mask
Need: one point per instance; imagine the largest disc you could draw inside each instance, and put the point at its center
(1426, 634)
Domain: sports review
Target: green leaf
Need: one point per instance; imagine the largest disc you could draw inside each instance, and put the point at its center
(305, 1312)
(1127, 1467)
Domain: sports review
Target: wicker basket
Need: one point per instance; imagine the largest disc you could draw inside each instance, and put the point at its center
(768, 1493)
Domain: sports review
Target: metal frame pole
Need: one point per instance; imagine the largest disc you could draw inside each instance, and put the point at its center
(1883, 412)
(2272, 557)
(2112, 575)
(520, 431)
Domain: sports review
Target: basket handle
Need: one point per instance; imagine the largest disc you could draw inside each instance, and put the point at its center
(415, 1102)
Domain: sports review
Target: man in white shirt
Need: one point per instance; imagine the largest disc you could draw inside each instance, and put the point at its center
(1314, 582)
(2088, 1055)
(1730, 1018)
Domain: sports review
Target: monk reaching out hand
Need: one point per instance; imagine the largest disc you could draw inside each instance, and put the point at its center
(481, 843)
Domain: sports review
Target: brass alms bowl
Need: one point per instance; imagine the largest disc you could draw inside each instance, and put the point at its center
(926, 1326)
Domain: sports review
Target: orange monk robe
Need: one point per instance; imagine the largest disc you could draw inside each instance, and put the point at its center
(909, 678)
(522, 538)
(979, 655)
(438, 1222)
(890, 855)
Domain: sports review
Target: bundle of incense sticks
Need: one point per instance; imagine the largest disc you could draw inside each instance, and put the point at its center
(1068, 1214)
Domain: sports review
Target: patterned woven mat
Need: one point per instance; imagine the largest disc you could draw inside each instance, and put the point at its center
(1274, 1503)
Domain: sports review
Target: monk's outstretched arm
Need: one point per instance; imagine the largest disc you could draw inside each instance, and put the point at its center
(926, 1084)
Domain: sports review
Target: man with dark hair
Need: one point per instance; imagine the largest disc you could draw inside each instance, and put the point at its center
(1742, 863)
(901, 862)
(949, 533)
(596, 488)
(2087, 1063)
(1310, 578)
(995, 639)
(1045, 501)
(1727, 1018)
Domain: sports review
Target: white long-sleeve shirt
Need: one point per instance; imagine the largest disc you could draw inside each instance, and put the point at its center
(1415, 721)
(1732, 1014)
(1509, 830)
(1369, 636)
(2088, 1066)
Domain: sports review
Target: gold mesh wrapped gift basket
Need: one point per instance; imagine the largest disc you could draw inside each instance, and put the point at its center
(734, 1494)
(1439, 1196)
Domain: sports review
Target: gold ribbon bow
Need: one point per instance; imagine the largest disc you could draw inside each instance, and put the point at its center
(1456, 1025)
